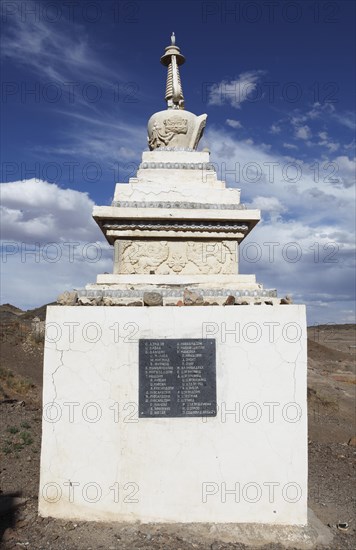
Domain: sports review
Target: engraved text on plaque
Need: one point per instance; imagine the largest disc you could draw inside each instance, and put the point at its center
(177, 377)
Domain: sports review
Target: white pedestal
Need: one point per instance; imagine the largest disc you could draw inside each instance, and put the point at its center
(99, 461)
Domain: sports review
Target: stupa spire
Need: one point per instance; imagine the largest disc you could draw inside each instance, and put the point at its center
(172, 128)
(172, 59)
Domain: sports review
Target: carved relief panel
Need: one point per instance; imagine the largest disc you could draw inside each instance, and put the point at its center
(176, 257)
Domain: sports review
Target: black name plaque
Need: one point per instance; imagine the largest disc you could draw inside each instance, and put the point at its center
(177, 377)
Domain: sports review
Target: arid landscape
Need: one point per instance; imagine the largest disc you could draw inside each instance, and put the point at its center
(332, 447)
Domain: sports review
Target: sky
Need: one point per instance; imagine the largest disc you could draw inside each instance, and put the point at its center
(80, 80)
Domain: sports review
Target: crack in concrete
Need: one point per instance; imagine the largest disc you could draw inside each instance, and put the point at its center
(55, 372)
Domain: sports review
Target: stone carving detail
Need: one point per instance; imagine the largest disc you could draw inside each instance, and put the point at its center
(177, 204)
(213, 258)
(172, 126)
(142, 257)
(180, 132)
(168, 225)
(177, 261)
(199, 131)
(177, 257)
(176, 125)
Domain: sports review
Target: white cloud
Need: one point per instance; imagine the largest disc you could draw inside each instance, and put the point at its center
(33, 276)
(271, 206)
(62, 56)
(50, 243)
(35, 209)
(233, 123)
(351, 145)
(301, 123)
(320, 110)
(326, 142)
(235, 91)
(297, 259)
(297, 119)
(99, 139)
(328, 110)
(126, 153)
(346, 170)
(302, 132)
(331, 145)
(311, 218)
(59, 52)
(289, 146)
(275, 129)
(345, 119)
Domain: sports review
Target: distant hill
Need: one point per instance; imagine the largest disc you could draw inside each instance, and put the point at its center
(8, 312)
(11, 308)
(39, 312)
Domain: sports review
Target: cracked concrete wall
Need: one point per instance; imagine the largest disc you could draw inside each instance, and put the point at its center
(248, 463)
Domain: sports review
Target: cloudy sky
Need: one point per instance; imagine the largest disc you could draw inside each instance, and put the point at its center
(277, 80)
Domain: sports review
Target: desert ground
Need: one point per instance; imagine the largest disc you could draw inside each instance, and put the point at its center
(332, 448)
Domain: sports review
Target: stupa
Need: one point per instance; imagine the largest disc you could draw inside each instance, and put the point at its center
(173, 414)
(175, 226)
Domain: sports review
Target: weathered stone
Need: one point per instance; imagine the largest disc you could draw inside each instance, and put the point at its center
(176, 257)
(85, 301)
(191, 298)
(230, 301)
(38, 329)
(67, 298)
(287, 300)
(112, 301)
(152, 299)
(245, 300)
(136, 304)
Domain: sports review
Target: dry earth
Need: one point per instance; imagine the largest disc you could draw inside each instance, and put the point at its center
(331, 396)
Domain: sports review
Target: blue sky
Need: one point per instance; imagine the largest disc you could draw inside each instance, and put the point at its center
(277, 80)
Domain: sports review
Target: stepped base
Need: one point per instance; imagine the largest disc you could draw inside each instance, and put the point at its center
(123, 289)
(202, 281)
